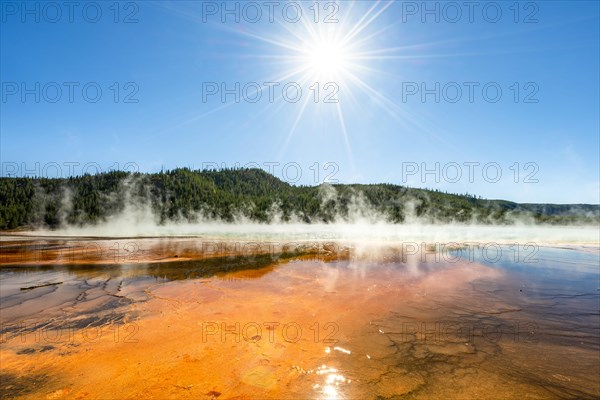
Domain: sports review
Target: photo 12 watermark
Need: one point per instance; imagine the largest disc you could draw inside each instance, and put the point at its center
(471, 12)
(470, 92)
(326, 12)
(470, 252)
(468, 172)
(70, 12)
(290, 171)
(270, 92)
(62, 169)
(124, 251)
(65, 334)
(268, 331)
(468, 333)
(69, 92)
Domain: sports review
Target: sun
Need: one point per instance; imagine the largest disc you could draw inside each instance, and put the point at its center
(326, 58)
(329, 62)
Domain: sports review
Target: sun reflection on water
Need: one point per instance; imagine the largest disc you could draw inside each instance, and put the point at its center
(330, 386)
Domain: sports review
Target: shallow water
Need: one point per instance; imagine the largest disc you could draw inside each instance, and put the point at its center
(376, 321)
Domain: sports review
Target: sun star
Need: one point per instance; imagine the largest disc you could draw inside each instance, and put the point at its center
(326, 58)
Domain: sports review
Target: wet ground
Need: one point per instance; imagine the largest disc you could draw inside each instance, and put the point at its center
(197, 318)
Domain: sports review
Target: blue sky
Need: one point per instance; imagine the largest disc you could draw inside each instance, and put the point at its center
(165, 56)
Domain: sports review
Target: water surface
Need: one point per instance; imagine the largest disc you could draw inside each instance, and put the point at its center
(352, 321)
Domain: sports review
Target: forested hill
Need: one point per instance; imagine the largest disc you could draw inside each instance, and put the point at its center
(252, 194)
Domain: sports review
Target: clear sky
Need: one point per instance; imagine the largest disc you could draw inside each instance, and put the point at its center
(388, 89)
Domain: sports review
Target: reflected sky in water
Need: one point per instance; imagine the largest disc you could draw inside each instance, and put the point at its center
(404, 324)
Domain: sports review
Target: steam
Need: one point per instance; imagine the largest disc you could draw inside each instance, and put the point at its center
(354, 217)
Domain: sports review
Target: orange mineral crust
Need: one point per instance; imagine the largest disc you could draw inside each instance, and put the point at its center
(360, 323)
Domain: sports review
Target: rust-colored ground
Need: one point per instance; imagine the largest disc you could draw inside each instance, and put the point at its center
(321, 321)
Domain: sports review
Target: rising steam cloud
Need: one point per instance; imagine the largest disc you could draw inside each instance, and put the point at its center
(133, 213)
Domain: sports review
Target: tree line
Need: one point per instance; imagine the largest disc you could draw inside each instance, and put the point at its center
(253, 194)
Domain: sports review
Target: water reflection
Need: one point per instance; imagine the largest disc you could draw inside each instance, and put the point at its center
(402, 326)
(330, 388)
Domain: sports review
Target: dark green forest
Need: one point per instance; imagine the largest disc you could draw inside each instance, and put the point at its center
(227, 195)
